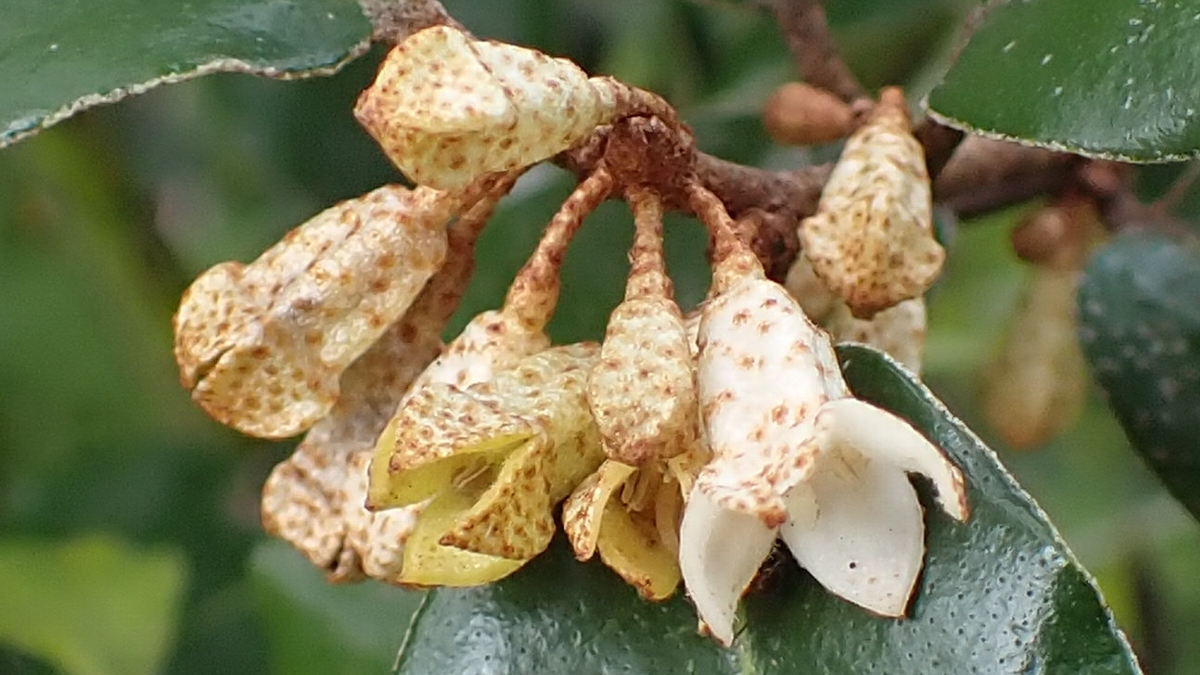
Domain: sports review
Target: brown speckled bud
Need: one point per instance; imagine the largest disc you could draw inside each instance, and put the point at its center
(1037, 384)
(262, 345)
(315, 499)
(642, 391)
(447, 108)
(800, 114)
(871, 239)
(812, 293)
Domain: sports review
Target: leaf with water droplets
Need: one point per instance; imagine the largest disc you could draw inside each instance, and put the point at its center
(1122, 86)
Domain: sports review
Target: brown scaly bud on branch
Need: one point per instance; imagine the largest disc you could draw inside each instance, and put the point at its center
(799, 114)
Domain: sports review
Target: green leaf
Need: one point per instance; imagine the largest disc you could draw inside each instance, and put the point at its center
(316, 627)
(54, 64)
(1140, 329)
(90, 606)
(1112, 79)
(1001, 594)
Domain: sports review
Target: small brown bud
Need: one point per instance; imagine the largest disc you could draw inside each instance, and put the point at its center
(1058, 235)
(800, 114)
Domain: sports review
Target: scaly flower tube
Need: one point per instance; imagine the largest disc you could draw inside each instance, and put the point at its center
(261, 346)
(642, 393)
(795, 455)
(492, 461)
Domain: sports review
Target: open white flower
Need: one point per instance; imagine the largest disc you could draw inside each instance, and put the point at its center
(796, 456)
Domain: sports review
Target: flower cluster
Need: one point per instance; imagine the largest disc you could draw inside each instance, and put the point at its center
(680, 448)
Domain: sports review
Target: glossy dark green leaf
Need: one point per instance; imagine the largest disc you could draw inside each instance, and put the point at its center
(90, 606)
(1115, 79)
(1140, 329)
(1001, 594)
(57, 61)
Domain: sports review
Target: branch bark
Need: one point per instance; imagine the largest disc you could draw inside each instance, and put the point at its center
(813, 48)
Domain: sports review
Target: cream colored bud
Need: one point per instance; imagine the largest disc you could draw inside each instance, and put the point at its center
(813, 295)
(898, 331)
(262, 345)
(447, 108)
(871, 239)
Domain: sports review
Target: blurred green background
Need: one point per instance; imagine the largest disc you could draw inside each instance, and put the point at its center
(129, 534)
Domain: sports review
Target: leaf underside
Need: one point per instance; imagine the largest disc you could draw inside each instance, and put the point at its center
(1001, 594)
(1108, 79)
(57, 62)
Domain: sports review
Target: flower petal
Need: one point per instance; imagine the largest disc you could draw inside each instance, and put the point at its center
(429, 563)
(878, 435)
(439, 434)
(631, 545)
(866, 541)
(584, 509)
(374, 543)
(720, 551)
(491, 342)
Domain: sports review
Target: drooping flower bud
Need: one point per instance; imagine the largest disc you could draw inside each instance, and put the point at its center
(447, 108)
(1037, 383)
(261, 346)
(642, 395)
(872, 239)
(315, 499)
(642, 391)
(801, 114)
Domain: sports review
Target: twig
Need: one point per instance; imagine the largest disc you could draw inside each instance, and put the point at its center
(803, 24)
(940, 142)
(1179, 189)
(984, 175)
(394, 20)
